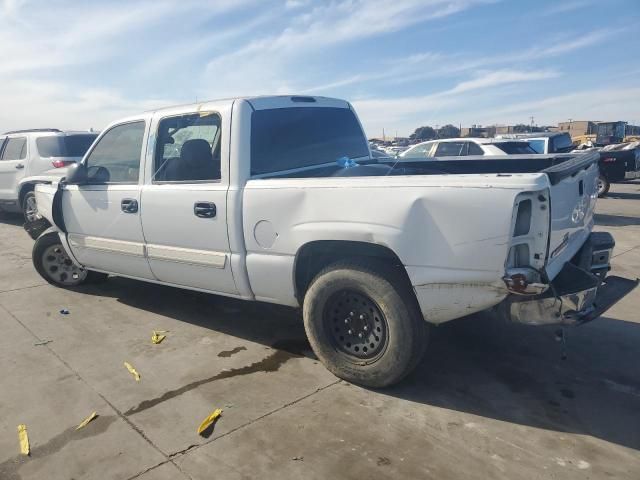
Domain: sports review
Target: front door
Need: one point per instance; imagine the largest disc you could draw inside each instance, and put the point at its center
(13, 155)
(184, 203)
(102, 217)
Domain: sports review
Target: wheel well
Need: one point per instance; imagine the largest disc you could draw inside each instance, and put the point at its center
(24, 189)
(314, 256)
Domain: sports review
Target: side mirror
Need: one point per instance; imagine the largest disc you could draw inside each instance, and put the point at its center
(76, 174)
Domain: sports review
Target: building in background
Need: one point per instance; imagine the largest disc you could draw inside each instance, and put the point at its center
(577, 128)
(477, 131)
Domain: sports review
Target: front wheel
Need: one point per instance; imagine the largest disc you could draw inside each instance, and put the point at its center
(364, 324)
(603, 186)
(54, 265)
(30, 207)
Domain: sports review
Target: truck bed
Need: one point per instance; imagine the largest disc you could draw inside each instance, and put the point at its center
(556, 166)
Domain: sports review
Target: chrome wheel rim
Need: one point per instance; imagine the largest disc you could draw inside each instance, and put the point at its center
(31, 209)
(600, 186)
(60, 268)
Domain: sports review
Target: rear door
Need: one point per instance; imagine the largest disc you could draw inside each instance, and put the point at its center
(13, 156)
(184, 201)
(102, 217)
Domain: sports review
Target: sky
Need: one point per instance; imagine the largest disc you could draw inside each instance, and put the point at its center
(402, 63)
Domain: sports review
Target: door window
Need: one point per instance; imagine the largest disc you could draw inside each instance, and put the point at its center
(475, 149)
(15, 149)
(188, 149)
(116, 156)
(451, 149)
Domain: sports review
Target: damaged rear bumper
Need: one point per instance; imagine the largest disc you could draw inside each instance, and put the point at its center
(581, 292)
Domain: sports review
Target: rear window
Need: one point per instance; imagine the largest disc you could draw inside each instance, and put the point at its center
(289, 138)
(515, 148)
(64, 145)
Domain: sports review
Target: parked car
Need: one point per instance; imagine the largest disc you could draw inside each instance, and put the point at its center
(618, 163)
(544, 142)
(261, 204)
(32, 153)
(395, 150)
(461, 147)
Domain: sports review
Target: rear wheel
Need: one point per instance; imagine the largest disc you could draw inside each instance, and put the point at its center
(364, 324)
(54, 265)
(603, 186)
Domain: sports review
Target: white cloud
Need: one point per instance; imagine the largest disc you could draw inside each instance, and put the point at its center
(37, 104)
(376, 113)
(501, 77)
(272, 57)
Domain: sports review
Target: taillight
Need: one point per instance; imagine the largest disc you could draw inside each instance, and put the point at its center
(609, 159)
(60, 163)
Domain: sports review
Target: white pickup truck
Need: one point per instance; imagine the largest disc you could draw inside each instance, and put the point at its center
(278, 199)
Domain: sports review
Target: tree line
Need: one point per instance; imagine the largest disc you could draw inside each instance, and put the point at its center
(451, 131)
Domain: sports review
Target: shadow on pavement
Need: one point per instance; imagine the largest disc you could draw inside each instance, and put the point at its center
(263, 323)
(623, 195)
(615, 220)
(514, 373)
(11, 218)
(508, 372)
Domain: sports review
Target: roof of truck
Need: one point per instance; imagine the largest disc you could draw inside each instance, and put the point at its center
(299, 99)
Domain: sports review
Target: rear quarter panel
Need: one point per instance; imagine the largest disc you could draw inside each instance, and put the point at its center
(451, 233)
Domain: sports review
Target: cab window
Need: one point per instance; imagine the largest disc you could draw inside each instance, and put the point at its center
(188, 149)
(116, 156)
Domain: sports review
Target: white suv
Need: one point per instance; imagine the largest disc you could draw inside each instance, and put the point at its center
(26, 153)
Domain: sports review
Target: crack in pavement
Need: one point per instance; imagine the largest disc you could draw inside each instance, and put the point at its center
(190, 448)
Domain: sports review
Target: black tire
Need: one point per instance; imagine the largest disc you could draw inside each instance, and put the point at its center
(385, 299)
(603, 186)
(46, 246)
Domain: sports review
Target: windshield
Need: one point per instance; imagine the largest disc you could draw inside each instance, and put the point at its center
(537, 145)
(290, 138)
(516, 148)
(65, 145)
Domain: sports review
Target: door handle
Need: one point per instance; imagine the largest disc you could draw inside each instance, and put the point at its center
(19, 166)
(129, 205)
(204, 209)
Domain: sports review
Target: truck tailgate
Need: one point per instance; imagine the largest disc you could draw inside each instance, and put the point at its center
(573, 200)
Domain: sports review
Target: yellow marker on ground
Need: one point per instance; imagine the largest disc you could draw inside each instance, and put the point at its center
(207, 422)
(133, 371)
(87, 420)
(24, 439)
(156, 338)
